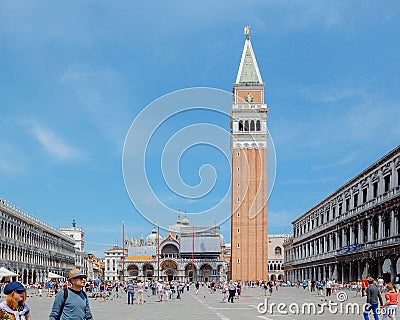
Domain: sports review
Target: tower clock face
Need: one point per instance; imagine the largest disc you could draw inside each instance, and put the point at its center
(249, 97)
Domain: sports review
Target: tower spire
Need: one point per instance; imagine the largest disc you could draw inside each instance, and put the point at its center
(248, 69)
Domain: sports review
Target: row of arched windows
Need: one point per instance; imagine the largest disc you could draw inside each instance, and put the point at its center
(32, 237)
(31, 256)
(249, 125)
(274, 267)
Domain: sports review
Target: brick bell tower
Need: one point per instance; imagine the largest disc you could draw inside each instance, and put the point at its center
(249, 216)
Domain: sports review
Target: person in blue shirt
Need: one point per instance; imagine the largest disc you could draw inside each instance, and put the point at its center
(72, 303)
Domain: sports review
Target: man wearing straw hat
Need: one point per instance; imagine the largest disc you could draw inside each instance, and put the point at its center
(72, 303)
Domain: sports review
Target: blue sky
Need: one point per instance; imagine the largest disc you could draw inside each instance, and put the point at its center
(74, 76)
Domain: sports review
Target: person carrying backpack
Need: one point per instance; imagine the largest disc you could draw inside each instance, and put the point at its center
(72, 302)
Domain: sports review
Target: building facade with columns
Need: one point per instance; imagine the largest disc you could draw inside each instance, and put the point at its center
(32, 248)
(276, 256)
(353, 233)
(185, 253)
(113, 265)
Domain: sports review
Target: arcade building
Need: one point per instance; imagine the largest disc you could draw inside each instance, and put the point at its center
(354, 232)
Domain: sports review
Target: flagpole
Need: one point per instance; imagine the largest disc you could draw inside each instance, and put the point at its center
(158, 251)
(193, 250)
(123, 250)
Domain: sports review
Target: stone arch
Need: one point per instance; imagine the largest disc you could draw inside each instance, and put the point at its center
(205, 272)
(169, 249)
(133, 270)
(190, 271)
(258, 125)
(252, 126)
(148, 270)
(386, 268)
(169, 269)
(278, 251)
(273, 277)
(25, 276)
(169, 264)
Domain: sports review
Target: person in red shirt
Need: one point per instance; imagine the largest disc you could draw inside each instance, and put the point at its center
(392, 299)
(364, 286)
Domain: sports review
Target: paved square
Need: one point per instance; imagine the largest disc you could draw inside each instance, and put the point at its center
(206, 306)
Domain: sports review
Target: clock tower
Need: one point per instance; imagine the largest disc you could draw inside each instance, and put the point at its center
(249, 216)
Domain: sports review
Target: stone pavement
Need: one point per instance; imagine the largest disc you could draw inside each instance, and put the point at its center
(206, 306)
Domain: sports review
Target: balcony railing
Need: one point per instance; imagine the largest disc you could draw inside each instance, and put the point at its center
(348, 250)
(250, 106)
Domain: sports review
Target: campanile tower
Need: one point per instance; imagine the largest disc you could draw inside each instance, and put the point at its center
(249, 217)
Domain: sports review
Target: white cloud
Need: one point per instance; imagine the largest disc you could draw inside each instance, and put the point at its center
(307, 181)
(320, 94)
(74, 75)
(54, 145)
(333, 164)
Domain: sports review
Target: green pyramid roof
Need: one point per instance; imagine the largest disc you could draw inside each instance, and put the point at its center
(248, 69)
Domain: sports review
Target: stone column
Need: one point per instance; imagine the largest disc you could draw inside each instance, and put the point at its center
(361, 232)
(392, 224)
(306, 250)
(369, 231)
(351, 234)
(335, 272)
(344, 237)
(342, 275)
(350, 271)
(321, 244)
(337, 240)
(379, 262)
(380, 225)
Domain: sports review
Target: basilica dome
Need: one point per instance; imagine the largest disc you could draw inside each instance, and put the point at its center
(152, 237)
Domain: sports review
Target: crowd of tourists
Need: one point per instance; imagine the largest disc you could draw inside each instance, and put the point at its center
(372, 289)
(71, 297)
